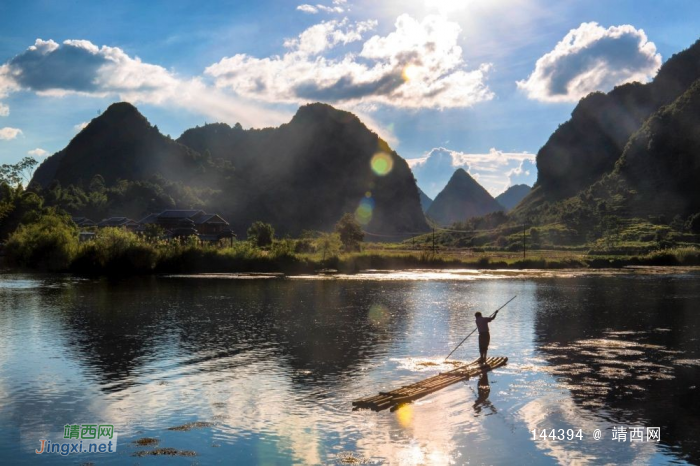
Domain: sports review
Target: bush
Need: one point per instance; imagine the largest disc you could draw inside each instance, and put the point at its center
(116, 251)
(328, 244)
(50, 243)
(350, 232)
(261, 234)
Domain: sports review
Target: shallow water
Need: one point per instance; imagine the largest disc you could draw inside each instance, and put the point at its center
(270, 367)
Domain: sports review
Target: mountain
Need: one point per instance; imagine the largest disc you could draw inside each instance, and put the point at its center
(513, 195)
(303, 175)
(121, 144)
(425, 201)
(661, 163)
(461, 199)
(307, 173)
(587, 146)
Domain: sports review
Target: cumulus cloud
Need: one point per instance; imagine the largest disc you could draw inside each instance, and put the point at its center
(38, 152)
(80, 67)
(80, 126)
(418, 65)
(525, 173)
(7, 85)
(8, 133)
(592, 58)
(494, 170)
(313, 9)
(308, 9)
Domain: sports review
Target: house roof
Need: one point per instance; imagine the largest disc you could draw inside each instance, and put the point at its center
(210, 218)
(116, 221)
(82, 221)
(179, 213)
(150, 218)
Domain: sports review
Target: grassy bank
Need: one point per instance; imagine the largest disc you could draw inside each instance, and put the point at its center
(118, 252)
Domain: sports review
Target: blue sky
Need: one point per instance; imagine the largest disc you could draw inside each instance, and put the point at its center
(477, 83)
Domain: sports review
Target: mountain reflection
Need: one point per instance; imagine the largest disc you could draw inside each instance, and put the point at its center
(321, 330)
(627, 352)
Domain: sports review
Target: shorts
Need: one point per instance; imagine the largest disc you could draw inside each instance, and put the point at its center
(484, 340)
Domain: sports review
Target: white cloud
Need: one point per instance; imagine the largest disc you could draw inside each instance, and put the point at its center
(326, 35)
(330, 9)
(494, 170)
(525, 173)
(8, 133)
(80, 67)
(38, 152)
(80, 126)
(592, 58)
(313, 9)
(7, 85)
(308, 9)
(419, 65)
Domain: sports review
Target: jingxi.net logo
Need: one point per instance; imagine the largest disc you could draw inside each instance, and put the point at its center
(81, 438)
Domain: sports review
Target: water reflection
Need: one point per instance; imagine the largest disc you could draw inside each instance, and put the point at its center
(483, 392)
(274, 364)
(630, 357)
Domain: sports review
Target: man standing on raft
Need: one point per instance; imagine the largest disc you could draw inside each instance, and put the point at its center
(482, 323)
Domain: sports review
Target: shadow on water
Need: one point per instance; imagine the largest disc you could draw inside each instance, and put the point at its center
(628, 351)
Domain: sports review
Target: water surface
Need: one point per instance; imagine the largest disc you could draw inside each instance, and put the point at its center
(272, 365)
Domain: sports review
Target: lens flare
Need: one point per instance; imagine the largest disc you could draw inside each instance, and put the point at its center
(405, 415)
(378, 314)
(382, 163)
(363, 213)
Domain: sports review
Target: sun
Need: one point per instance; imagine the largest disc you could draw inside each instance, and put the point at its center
(410, 72)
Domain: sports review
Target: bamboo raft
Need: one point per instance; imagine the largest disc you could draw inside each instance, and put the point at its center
(425, 387)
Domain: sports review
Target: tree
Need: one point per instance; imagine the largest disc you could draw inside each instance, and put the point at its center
(261, 234)
(350, 232)
(18, 173)
(48, 242)
(328, 244)
(693, 223)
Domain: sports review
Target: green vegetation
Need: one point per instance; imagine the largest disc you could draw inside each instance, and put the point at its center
(48, 242)
(350, 232)
(261, 234)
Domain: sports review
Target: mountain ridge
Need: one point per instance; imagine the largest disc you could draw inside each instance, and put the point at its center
(462, 198)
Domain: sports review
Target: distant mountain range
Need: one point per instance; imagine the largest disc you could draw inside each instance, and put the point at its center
(462, 198)
(425, 201)
(303, 175)
(513, 195)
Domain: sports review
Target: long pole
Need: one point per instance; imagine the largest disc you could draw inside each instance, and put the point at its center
(465, 338)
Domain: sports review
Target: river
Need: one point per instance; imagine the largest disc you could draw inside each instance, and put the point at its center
(269, 367)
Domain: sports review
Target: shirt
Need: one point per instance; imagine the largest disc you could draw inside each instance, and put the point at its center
(482, 323)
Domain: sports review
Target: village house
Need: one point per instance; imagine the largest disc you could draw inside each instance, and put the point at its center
(116, 222)
(209, 227)
(83, 222)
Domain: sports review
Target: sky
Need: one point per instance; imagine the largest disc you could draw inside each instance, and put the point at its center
(477, 84)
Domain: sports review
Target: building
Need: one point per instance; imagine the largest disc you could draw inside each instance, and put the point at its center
(118, 222)
(83, 222)
(179, 223)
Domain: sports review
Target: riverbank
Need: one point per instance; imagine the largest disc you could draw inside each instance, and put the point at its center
(144, 258)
